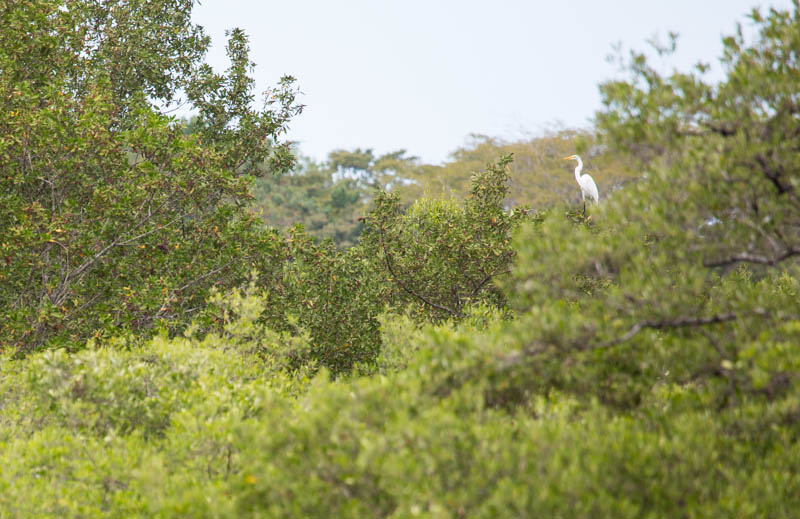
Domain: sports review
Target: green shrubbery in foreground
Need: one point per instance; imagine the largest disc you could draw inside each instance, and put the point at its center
(447, 425)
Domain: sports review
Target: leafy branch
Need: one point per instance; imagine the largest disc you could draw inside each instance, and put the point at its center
(387, 258)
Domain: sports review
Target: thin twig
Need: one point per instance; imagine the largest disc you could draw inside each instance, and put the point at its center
(486, 280)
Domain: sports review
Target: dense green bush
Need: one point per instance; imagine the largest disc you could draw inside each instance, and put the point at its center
(320, 292)
(440, 256)
(231, 435)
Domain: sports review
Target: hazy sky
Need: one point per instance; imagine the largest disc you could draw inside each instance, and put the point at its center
(424, 74)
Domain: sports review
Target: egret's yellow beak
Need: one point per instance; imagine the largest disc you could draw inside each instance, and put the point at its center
(568, 158)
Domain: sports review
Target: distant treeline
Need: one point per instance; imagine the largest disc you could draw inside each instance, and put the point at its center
(329, 198)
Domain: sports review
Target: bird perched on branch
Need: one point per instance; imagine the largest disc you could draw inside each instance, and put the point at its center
(588, 187)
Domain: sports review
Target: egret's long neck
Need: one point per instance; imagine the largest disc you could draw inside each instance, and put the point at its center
(578, 169)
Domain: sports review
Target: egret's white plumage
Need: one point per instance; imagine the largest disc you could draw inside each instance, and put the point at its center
(588, 187)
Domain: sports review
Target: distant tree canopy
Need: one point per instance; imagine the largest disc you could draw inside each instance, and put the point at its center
(539, 178)
(330, 197)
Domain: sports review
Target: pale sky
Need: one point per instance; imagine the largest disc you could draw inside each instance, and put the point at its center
(424, 74)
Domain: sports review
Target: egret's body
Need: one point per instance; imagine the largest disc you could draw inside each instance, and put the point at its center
(588, 187)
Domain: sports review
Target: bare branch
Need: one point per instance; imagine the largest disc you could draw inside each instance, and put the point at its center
(747, 257)
(680, 322)
(151, 231)
(76, 273)
(486, 280)
(706, 128)
(686, 322)
(207, 274)
(773, 175)
(516, 357)
(196, 280)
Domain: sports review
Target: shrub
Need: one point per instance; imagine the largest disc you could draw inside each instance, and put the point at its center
(440, 256)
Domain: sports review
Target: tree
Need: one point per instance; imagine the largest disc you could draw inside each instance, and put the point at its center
(329, 198)
(327, 207)
(731, 145)
(440, 256)
(245, 138)
(688, 277)
(640, 377)
(110, 216)
(382, 172)
(334, 297)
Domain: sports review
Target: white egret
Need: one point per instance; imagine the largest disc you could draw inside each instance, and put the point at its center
(588, 187)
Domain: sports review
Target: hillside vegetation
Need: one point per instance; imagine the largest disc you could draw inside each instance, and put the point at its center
(453, 354)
